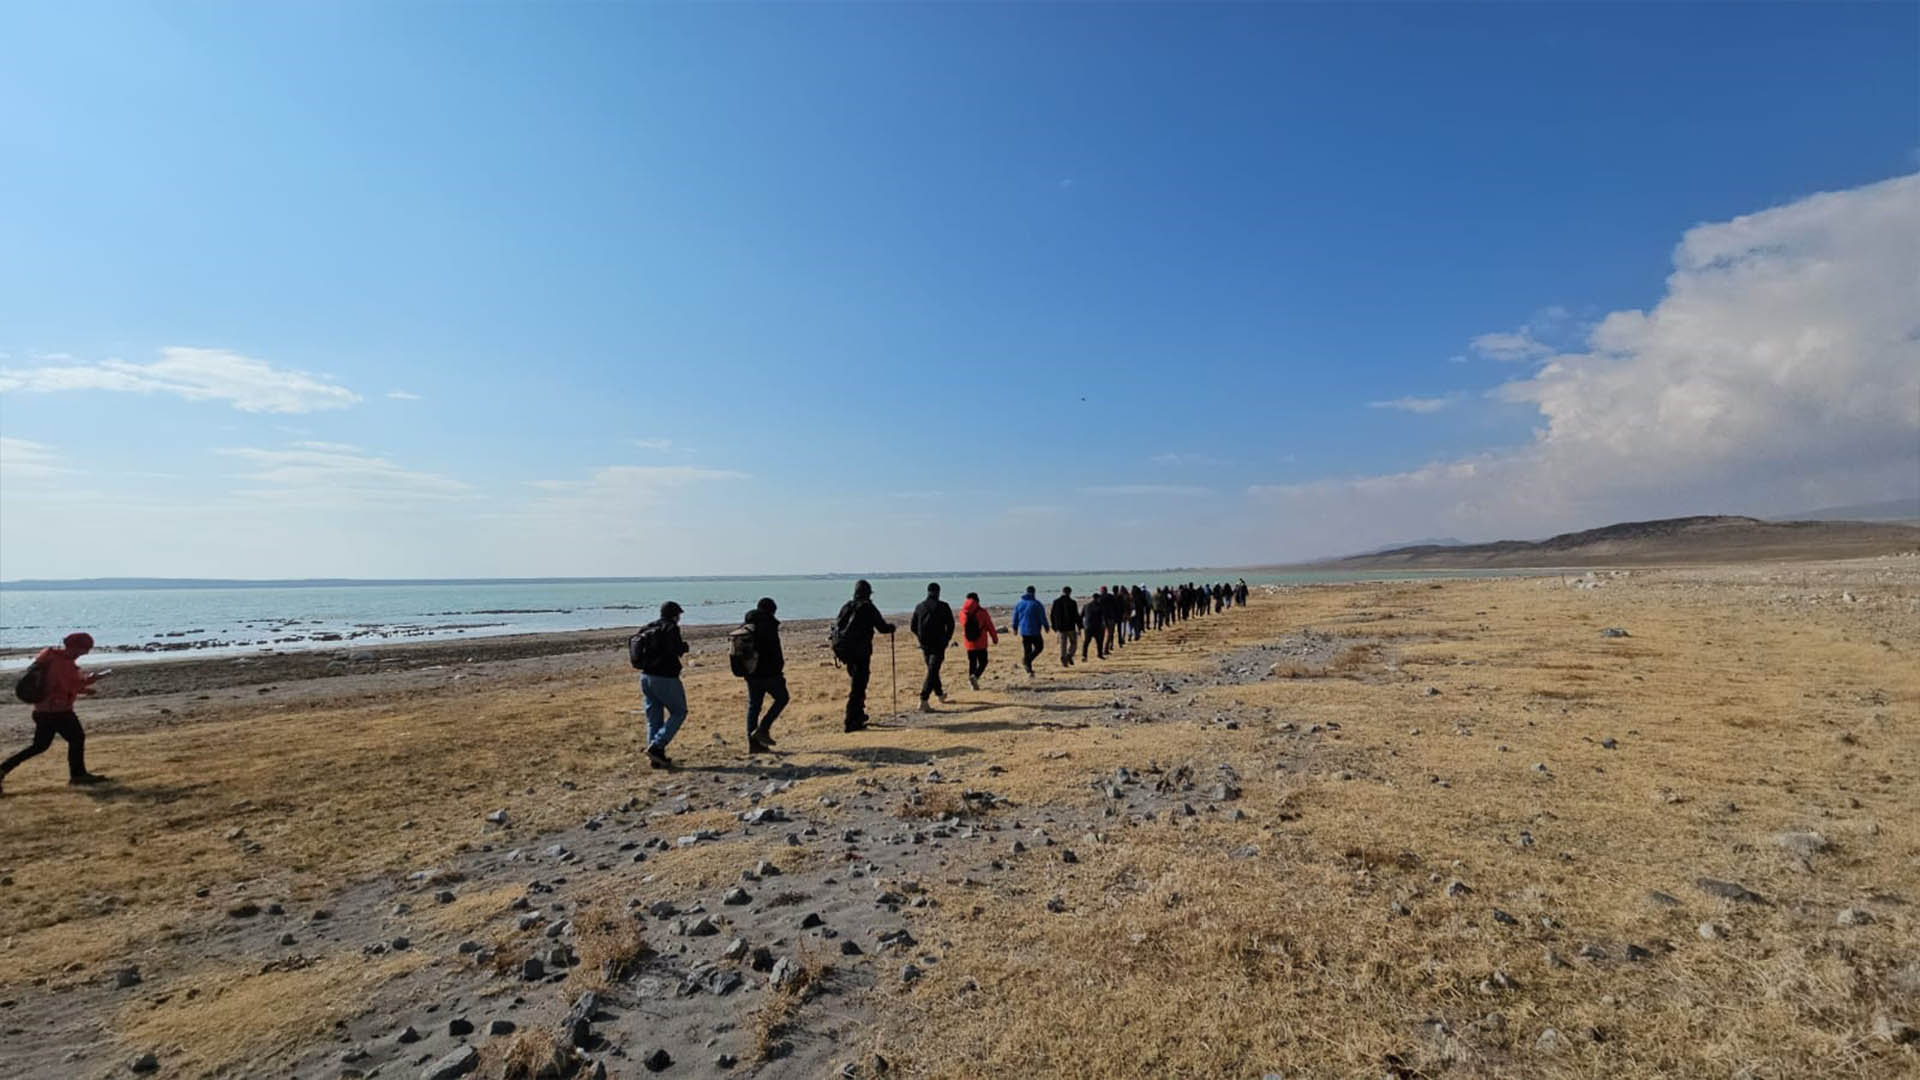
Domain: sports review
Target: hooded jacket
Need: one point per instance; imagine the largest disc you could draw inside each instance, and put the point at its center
(766, 642)
(1029, 616)
(1066, 615)
(988, 633)
(64, 682)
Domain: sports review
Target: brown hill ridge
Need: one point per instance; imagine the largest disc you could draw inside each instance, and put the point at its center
(1706, 539)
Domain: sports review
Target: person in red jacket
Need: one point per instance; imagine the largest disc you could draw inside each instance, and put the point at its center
(976, 627)
(53, 713)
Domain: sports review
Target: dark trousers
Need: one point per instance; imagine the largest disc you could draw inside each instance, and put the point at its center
(858, 670)
(1096, 639)
(45, 726)
(931, 685)
(976, 663)
(1068, 639)
(1030, 647)
(772, 687)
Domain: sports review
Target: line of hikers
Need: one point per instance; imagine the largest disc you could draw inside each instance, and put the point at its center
(1102, 622)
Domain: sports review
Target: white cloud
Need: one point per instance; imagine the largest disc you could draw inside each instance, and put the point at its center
(1781, 369)
(247, 384)
(1420, 405)
(1206, 460)
(1178, 490)
(403, 395)
(24, 459)
(334, 473)
(1511, 347)
(652, 444)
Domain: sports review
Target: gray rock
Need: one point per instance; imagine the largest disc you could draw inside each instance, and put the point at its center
(1550, 1041)
(287, 939)
(848, 947)
(1711, 931)
(1612, 632)
(1804, 842)
(766, 869)
(723, 981)
(909, 974)
(1853, 916)
(735, 949)
(407, 1035)
(783, 973)
(245, 909)
(725, 1061)
(459, 1026)
(663, 909)
(810, 920)
(500, 1027)
(702, 927)
(145, 1063)
(126, 976)
(1728, 890)
(736, 896)
(444, 896)
(1660, 899)
(658, 1061)
(1887, 1029)
(533, 969)
(497, 817)
(1609, 744)
(1457, 887)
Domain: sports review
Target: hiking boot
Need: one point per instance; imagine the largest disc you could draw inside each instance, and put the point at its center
(974, 680)
(852, 726)
(658, 759)
(765, 736)
(942, 697)
(757, 745)
(925, 705)
(87, 780)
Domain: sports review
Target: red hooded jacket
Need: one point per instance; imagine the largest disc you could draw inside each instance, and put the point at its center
(64, 681)
(985, 619)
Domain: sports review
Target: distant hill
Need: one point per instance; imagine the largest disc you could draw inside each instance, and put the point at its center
(1655, 543)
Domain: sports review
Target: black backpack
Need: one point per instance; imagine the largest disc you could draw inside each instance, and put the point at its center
(31, 687)
(648, 645)
(841, 630)
(973, 624)
(743, 650)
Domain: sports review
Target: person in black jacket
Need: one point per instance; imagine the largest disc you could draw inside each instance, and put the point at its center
(857, 621)
(933, 626)
(1093, 622)
(660, 688)
(1066, 623)
(769, 678)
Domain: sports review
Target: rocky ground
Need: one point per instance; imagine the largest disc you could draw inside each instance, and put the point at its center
(1407, 830)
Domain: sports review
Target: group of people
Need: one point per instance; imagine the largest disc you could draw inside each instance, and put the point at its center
(1103, 621)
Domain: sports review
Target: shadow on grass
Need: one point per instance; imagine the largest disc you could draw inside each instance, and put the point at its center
(895, 755)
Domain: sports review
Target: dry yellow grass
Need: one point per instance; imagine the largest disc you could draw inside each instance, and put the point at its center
(1173, 958)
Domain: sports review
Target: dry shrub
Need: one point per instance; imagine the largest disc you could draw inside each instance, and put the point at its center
(610, 947)
(534, 1052)
(777, 1017)
(942, 802)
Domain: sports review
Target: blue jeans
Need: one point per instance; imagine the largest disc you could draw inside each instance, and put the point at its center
(663, 694)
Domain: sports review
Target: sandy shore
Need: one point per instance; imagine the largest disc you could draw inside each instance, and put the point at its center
(1438, 828)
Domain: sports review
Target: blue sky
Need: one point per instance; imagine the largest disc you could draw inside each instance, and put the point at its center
(412, 289)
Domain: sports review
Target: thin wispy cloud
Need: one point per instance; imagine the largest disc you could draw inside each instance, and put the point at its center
(651, 444)
(246, 383)
(323, 472)
(1183, 491)
(1421, 405)
(1206, 460)
(24, 459)
(403, 395)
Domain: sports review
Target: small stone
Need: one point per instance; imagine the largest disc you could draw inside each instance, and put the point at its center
(1660, 899)
(459, 1026)
(126, 977)
(407, 1035)
(702, 927)
(1710, 931)
(245, 909)
(736, 896)
(320, 915)
(500, 1027)
(725, 1061)
(909, 974)
(533, 969)
(444, 896)
(848, 947)
(287, 939)
(1728, 890)
(145, 1063)
(1457, 887)
(657, 1061)
(1399, 909)
(1556, 961)
(402, 944)
(497, 817)
(783, 973)
(810, 920)
(1803, 842)
(735, 949)
(1637, 954)
(1609, 743)
(1853, 916)
(1549, 1041)
(1887, 1029)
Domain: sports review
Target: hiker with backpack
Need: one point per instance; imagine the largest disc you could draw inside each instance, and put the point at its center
(754, 653)
(977, 629)
(933, 627)
(851, 638)
(1030, 622)
(51, 684)
(656, 650)
(1066, 623)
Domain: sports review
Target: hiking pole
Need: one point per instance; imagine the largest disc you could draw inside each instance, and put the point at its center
(893, 661)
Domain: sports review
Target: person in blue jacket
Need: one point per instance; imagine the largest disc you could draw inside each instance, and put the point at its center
(1030, 621)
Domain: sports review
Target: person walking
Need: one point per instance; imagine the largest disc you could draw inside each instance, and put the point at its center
(61, 683)
(1093, 624)
(656, 650)
(1139, 612)
(854, 628)
(767, 681)
(1066, 623)
(1030, 622)
(932, 626)
(977, 630)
